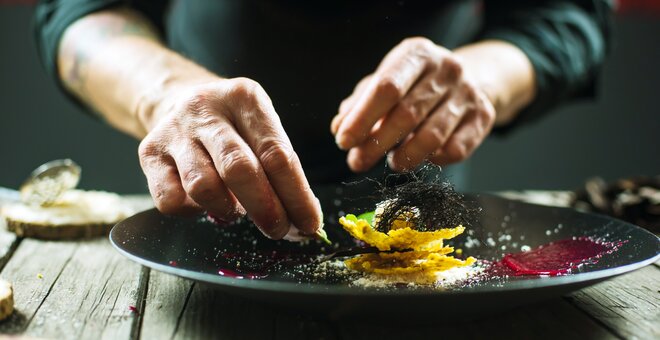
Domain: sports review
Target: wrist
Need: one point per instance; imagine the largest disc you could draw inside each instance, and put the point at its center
(503, 72)
(157, 99)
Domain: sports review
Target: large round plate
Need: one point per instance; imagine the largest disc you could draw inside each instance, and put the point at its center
(196, 249)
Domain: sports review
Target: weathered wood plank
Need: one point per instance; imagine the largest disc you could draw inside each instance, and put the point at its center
(92, 296)
(166, 298)
(71, 290)
(629, 305)
(8, 243)
(33, 270)
(554, 319)
(210, 313)
(299, 326)
(180, 308)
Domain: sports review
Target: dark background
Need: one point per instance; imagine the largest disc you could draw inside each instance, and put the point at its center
(615, 137)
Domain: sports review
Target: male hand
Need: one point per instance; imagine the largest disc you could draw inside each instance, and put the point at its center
(219, 146)
(417, 106)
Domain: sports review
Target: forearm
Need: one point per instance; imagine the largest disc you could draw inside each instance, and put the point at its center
(503, 72)
(114, 62)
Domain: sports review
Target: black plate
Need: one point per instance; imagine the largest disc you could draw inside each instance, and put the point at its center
(196, 249)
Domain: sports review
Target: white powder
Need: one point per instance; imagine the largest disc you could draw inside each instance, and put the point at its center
(444, 279)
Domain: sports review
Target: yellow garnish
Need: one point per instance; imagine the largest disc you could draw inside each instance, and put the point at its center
(428, 255)
(403, 238)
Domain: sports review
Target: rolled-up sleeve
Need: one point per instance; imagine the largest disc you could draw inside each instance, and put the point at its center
(566, 42)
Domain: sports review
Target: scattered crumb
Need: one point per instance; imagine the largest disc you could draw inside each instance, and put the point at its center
(40, 276)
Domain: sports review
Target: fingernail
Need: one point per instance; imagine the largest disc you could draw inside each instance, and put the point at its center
(344, 141)
(390, 160)
(217, 220)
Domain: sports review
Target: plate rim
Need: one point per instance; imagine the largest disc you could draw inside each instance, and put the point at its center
(334, 290)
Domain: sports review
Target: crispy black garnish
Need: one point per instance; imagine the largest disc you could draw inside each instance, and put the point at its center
(427, 198)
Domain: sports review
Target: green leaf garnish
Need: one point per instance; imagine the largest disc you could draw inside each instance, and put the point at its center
(323, 236)
(351, 217)
(368, 216)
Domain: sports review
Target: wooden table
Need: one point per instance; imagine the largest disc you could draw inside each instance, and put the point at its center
(88, 290)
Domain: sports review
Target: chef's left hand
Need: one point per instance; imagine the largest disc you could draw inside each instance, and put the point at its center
(418, 105)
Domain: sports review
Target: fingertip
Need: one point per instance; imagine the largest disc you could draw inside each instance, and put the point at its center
(357, 161)
(314, 222)
(334, 125)
(396, 163)
(276, 231)
(344, 141)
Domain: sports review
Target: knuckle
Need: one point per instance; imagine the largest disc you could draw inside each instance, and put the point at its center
(469, 91)
(245, 88)
(235, 163)
(434, 138)
(418, 42)
(408, 115)
(389, 87)
(276, 156)
(197, 101)
(199, 187)
(488, 113)
(169, 202)
(486, 109)
(452, 67)
(148, 148)
(457, 152)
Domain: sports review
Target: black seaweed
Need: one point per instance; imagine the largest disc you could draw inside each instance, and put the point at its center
(428, 192)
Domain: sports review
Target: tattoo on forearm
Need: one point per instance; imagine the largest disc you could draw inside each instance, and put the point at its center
(97, 31)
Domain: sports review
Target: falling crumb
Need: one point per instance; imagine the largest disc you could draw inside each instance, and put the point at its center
(40, 276)
(458, 251)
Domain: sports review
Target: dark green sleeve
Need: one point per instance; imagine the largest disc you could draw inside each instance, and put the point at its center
(566, 42)
(52, 17)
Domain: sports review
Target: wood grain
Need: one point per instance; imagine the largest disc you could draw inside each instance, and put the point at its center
(167, 296)
(33, 270)
(71, 290)
(85, 290)
(92, 297)
(8, 243)
(180, 309)
(554, 319)
(210, 313)
(628, 305)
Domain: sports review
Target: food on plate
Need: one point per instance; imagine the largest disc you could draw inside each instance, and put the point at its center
(406, 253)
(77, 214)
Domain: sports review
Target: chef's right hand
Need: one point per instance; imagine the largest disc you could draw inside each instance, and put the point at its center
(219, 146)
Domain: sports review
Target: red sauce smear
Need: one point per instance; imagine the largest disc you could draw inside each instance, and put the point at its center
(236, 275)
(133, 309)
(557, 258)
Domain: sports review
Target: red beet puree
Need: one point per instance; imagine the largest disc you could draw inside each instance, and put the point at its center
(557, 258)
(236, 275)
